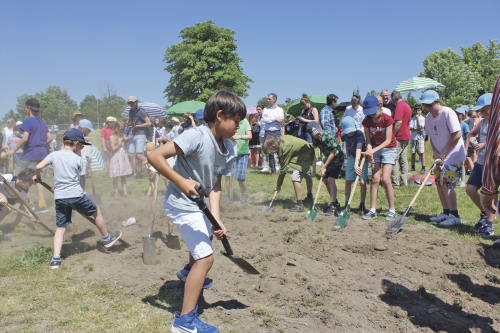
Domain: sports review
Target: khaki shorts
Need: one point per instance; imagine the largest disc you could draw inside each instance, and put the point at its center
(449, 175)
(298, 175)
(417, 145)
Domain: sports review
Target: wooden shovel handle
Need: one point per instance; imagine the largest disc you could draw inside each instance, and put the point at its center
(422, 185)
(20, 211)
(317, 192)
(357, 179)
(153, 204)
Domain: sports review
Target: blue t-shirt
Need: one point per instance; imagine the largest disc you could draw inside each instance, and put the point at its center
(465, 129)
(34, 149)
(138, 117)
(352, 142)
(67, 168)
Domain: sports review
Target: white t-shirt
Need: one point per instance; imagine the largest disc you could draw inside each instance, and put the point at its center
(413, 124)
(357, 115)
(7, 133)
(5, 190)
(387, 111)
(270, 123)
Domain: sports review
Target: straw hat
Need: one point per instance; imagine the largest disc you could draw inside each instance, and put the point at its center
(77, 113)
(150, 146)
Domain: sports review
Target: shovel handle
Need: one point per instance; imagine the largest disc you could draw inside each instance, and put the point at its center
(153, 204)
(422, 184)
(20, 211)
(91, 178)
(356, 182)
(317, 192)
(274, 197)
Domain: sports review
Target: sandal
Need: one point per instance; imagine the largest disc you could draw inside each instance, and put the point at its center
(117, 196)
(127, 195)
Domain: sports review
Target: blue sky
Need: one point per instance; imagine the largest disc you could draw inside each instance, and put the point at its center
(288, 47)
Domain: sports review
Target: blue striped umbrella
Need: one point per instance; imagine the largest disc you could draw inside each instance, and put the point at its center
(152, 109)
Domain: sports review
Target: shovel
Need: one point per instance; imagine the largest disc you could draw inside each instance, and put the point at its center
(345, 214)
(148, 242)
(95, 197)
(266, 209)
(238, 261)
(400, 221)
(173, 242)
(311, 214)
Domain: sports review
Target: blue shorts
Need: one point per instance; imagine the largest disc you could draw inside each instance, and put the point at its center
(385, 156)
(350, 173)
(476, 176)
(241, 168)
(17, 158)
(64, 207)
(137, 143)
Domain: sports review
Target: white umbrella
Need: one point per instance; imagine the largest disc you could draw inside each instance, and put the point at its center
(152, 109)
(97, 160)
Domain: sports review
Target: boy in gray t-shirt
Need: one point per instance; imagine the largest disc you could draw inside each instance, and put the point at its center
(68, 193)
(203, 154)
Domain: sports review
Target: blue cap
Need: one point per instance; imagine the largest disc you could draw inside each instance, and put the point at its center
(74, 134)
(199, 114)
(460, 110)
(288, 115)
(348, 124)
(85, 123)
(483, 101)
(370, 105)
(429, 97)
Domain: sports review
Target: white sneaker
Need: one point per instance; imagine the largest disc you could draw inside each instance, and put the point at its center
(451, 221)
(462, 184)
(264, 170)
(440, 218)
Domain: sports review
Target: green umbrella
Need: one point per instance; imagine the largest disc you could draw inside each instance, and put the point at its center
(183, 107)
(417, 83)
(317, 101)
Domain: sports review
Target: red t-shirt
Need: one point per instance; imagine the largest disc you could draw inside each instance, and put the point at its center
(403, 113)
(106, 133)
(377, 130)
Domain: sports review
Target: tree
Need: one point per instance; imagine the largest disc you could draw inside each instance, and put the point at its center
(89, 107)
(204, 62)
(10, 114)
(262, 101)
(110, 104)
(462, 83)
(486, 62)
(372, 93)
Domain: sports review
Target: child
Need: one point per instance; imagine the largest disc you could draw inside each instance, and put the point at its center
(355, 142)
(68, 193)
(417, 144)
(381, 152)
(485, 223)
(105, 135)
(86, 152)
(298, 154)
(187, 124)
(330, 147)
(12, 142)
(443, 128)
(119, 164)
(203, 155)
(461, 111)
(57, 144)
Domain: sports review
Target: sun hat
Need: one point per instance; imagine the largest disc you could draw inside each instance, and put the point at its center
(132, 99)
(150, 146)
(33, 103)
(85, 123)
(74, 134)
(429, 97)
(313, 128)
(370, 105)
(200, 114)
(110, 119)
(348, 124)
(76, 113)
(175, 120)
(483, 101)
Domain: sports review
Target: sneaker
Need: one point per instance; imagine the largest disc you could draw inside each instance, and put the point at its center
(183, 274)
(54, 264)
(362, 208)
(41, 210)
(336, 207)
(411, 170)
(422, 172)
(329, 210)
(227, 199)
(487, 230)
(440, 218)
(369, 215)
(244, 198)
(4, 238)
(496, 244)
(481, 223)
(419, 161)
(391, 216)
(191, 323)
(264, 170)
(462, 184)
(297, 209)
(451, 221)
(113, 238)
(326, 209)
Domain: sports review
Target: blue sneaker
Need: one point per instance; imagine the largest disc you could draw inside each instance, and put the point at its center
(183, 274)
(191, 323)
(487, 230)
(481, 223)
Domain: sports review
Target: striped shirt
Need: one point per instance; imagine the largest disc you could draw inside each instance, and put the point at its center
(491, 169)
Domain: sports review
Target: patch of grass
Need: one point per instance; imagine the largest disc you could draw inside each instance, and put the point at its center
(395, 291)
(293, 231)
(31, 258)
(89, 267)
(462, 264)
(269, 322)
(264, 310)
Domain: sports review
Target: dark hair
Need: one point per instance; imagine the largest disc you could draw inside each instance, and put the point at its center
(274, 96)
(26, 175)
(170, 126)
(260, 106)
(331, 98)
(17, 128)
(304, 100)
(230, 104)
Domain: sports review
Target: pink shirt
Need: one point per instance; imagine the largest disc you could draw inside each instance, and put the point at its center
(440, 130)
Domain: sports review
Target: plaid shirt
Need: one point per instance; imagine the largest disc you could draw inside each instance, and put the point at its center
(329, 144)
(491, 171)
(327, 120)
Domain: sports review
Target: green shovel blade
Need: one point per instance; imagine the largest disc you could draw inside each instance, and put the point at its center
(311, 214)
(343, 217)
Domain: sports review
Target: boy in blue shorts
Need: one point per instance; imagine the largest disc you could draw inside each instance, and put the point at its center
(204, 154)
(68, 193)
(356, 144)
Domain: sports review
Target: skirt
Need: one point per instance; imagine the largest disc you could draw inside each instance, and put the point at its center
(120, 164)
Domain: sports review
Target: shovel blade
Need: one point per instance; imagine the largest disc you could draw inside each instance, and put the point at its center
(149, 250)
(311, 214)
(173, 242)
(241, 263)
(396, 225)
(97, 199)
(343, 217)
(265, 209)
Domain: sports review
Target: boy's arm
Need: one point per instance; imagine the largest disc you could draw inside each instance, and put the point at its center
(39, 168)
(49, 138)
(452, 143)
(474, 132)
(21, 143)
(327, 163)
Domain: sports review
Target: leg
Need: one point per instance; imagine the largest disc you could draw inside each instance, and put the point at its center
(362, 184)
(243, 187)
(422, 158)
(123, 180)
(41, 194)
(271, 163)
(442, 197)
(141, 158)
(298, 190)
(58, 240)
(194, 283)
(412, 159)
(115, 186)
(131, 158)
(347, 190)
(471, 191)
(314, 166)
(99, 222)
(386, 182)
(403, 162)
(450, 197)
(309, 185)
(332, 189)
(395, 170)
(374, 185)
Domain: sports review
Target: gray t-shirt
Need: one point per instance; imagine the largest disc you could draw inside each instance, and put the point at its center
(137, 118)
(67, 167)
(5, 190)
(202, 161)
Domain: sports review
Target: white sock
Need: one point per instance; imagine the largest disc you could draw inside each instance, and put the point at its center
(373, 210)
(392, 211)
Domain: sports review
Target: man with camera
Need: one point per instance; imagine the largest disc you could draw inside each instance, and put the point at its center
(138, 123)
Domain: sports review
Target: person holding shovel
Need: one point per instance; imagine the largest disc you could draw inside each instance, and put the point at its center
(68, 193)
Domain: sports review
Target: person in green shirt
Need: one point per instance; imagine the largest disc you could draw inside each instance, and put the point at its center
(242, 136)
(296, 153)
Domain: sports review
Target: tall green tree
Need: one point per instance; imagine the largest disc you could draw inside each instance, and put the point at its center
(372, 93)
(110, 103)
(10, 114)
(462, 82)
(263, 101)
(485, 61)
(89, 107)
(204, 62)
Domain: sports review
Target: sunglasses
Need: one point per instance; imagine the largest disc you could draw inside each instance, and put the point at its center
(80, 143)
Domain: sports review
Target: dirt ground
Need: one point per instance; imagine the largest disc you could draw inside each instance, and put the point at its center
(313, 278)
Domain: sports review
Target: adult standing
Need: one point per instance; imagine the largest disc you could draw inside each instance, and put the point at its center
(417, 146)
(254, 144)
(355, 111)
(200, 117)
(401, 129)
(139, 120)
(326, 115)
(387, 103)
(491, 168)
(159, 130)
(308, 114)
(7, 133)
(77, 116)
(272, 118)
(175, 129)
(265, 159)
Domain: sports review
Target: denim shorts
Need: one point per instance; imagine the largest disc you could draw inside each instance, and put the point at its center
(17, 158)
(64, 207)
(385, 156)
(137, 143)
(476, 176)
(350, 173)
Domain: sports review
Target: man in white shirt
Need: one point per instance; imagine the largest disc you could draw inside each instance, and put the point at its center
(272, 118)
(417, 129)
(384, 110)
(355, 111)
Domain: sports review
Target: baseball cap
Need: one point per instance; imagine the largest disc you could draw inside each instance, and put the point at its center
(33, 103)
(288, 115)
(175, 120)
(110, 119)
(74, 134)
(132, 99)
(85, 123)
(19, 122)
(460, 110)
(370, 105)
(483, 101)
(348, 125)
(16, 128)
(200, 113)
(429, 97)
(76, 113)
(313, 128)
